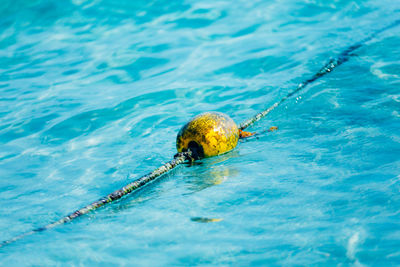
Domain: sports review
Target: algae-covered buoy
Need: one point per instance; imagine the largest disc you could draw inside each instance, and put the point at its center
(208, 134)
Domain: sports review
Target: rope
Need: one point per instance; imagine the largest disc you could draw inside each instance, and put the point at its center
(138, 183)
(329, 67)
(183, 156)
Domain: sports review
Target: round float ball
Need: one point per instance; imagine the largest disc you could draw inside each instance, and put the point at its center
(208, 134)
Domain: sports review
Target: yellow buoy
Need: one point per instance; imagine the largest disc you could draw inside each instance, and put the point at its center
(208, 134)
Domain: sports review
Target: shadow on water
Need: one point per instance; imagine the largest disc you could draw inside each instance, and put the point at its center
(190, 179)
(210, 172)
(142, 195)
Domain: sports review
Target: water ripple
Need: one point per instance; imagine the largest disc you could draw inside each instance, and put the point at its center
(92, 94)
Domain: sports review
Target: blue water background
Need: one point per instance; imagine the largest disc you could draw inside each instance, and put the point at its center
(93, 93)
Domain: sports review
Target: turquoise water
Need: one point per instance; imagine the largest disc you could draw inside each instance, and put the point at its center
(93, 94)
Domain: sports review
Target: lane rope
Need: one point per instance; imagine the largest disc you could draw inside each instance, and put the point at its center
(329, 67)
(182, 157)
(179, 158)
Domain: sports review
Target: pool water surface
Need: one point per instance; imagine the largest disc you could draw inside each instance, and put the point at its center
(93, 94)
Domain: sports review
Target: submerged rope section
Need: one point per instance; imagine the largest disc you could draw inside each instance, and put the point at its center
(329, 67)
(188, 155)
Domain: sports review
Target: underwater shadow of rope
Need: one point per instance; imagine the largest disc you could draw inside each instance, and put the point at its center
(206, 135)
